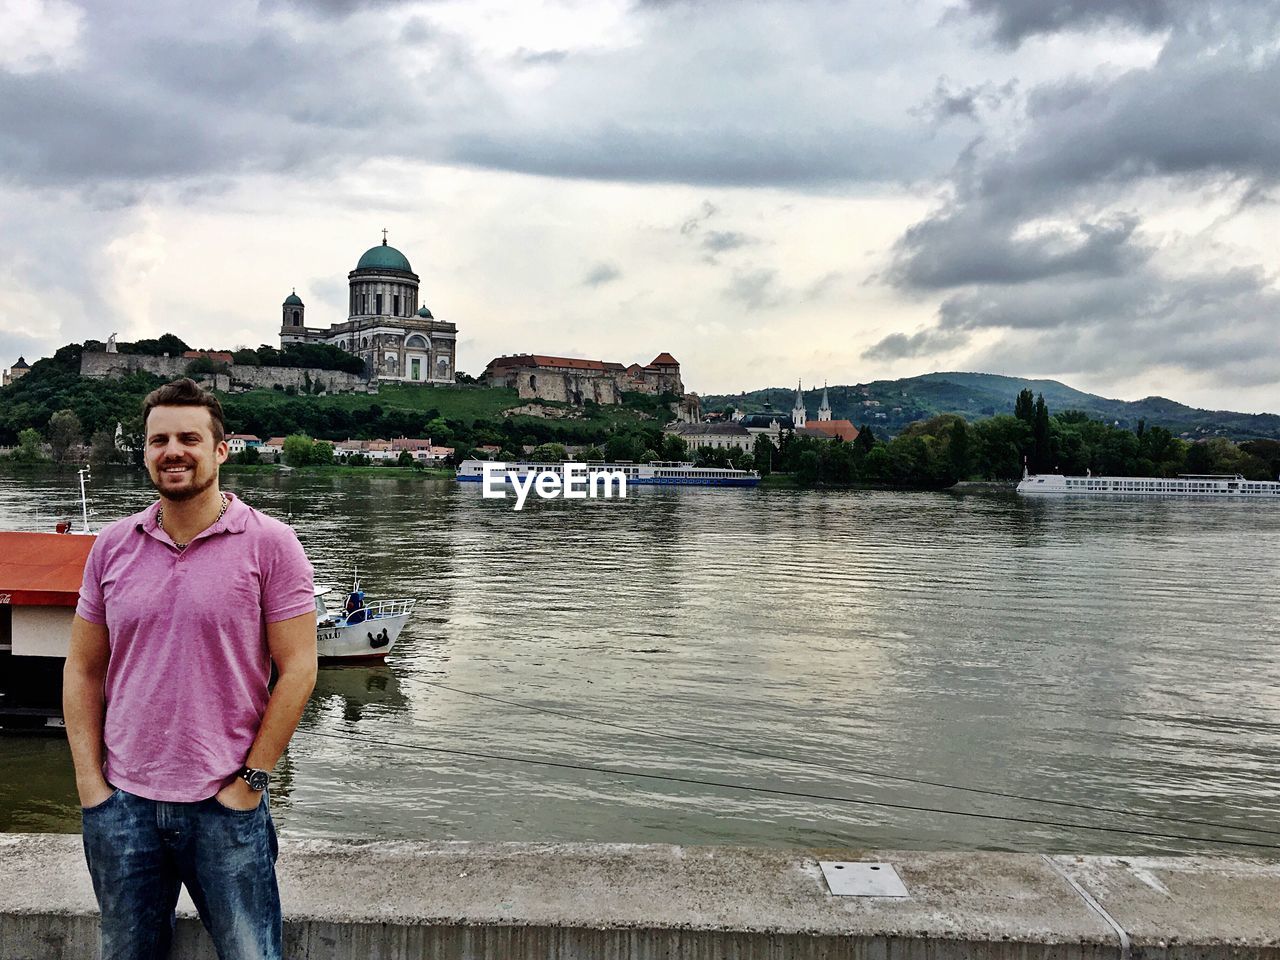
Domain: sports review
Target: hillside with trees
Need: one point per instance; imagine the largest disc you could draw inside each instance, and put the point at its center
(890, 405)
(54, 409)
(463, 416)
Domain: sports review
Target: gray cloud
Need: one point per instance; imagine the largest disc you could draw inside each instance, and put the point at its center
(899, 346)
(974, 244)
(1035, 242)
(180, 93)
(171, 97)
(721, 241)
(756, 288)
(695, 222)
(540, 57)
(719, 153)
(947, 103)
(329, 9)
(822, 286)
(600, 274)
(1015, 20)
(1202, 324)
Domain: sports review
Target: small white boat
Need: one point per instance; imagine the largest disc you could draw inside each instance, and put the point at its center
(362, 630)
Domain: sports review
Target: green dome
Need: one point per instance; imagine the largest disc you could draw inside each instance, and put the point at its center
(425, 313)
(383, 257)
(293, 300)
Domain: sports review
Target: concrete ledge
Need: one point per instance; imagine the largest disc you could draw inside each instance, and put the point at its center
(457, 901)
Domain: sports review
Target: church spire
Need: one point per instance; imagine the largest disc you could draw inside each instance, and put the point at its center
(824, 411)
(798, 414)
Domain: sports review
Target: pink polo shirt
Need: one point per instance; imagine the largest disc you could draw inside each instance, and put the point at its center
(187, 680)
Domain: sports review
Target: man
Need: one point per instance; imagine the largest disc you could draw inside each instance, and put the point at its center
(172, 724)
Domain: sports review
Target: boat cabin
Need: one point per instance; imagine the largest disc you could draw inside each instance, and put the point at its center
(40, 577)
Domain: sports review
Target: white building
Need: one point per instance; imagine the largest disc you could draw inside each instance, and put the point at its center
(718, 436)
(398, 340)
(239, 442)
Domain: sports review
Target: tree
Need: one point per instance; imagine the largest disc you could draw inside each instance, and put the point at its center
(167, 343)
(405, 459)
(1041, 455)
(592, 453)
(250, 456)
(64, 434)
(29, 444)
(674, 447)
(436, 429)
(711, 457)
(999, 442)
(1118, 454)
(622, 447)
(205, 366)
(1024, 408)
(321, 453)
(297, 450)
(763, 453)
(648, 456)
(807, 468)
(865, 438)
(102, 447)
(550, 453)
(958, 449)
(878, 465)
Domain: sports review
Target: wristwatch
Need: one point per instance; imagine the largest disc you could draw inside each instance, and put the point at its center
(256, 779)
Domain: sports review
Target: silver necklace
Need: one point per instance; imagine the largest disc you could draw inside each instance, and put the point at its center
(183, 546)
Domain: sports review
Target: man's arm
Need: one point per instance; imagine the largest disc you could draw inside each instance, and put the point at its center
(292, 644)
(84, 704)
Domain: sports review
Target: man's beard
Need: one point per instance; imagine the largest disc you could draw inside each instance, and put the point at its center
(185, 494)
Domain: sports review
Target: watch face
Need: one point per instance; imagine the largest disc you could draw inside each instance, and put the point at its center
(257, 779)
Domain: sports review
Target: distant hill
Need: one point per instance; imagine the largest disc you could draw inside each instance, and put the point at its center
(889, 405)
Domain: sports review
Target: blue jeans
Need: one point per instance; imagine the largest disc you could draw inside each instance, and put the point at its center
(139, 851)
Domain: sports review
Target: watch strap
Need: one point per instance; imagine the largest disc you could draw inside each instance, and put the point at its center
(256, 779)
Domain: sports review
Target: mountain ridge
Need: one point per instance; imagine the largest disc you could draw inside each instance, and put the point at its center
(889, 405)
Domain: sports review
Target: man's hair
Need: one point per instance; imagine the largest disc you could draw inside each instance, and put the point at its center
(186, 393)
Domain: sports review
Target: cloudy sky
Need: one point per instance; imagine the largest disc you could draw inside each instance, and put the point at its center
(771, 191)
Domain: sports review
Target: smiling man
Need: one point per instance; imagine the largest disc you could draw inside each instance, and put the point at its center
(173, 725)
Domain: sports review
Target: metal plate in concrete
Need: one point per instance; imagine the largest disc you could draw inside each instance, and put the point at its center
(855, 879)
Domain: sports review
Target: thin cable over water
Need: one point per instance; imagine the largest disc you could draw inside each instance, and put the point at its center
(1092, 808)
(779, 792)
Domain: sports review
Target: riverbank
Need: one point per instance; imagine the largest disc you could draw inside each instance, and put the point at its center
(397, 900)
(341, 470)
(787, 481)
(985, 486)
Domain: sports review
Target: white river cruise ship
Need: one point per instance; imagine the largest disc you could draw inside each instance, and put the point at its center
(1186, 485)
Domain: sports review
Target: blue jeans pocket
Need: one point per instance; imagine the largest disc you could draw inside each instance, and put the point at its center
(233, 811)
(115, 792)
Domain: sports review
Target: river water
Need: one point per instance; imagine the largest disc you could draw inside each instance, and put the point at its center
(843, 644)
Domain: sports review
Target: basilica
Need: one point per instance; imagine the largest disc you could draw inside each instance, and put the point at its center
(398, 341)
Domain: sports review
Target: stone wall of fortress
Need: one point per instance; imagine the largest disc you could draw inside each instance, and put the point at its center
(569, 387)
(241, 378)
